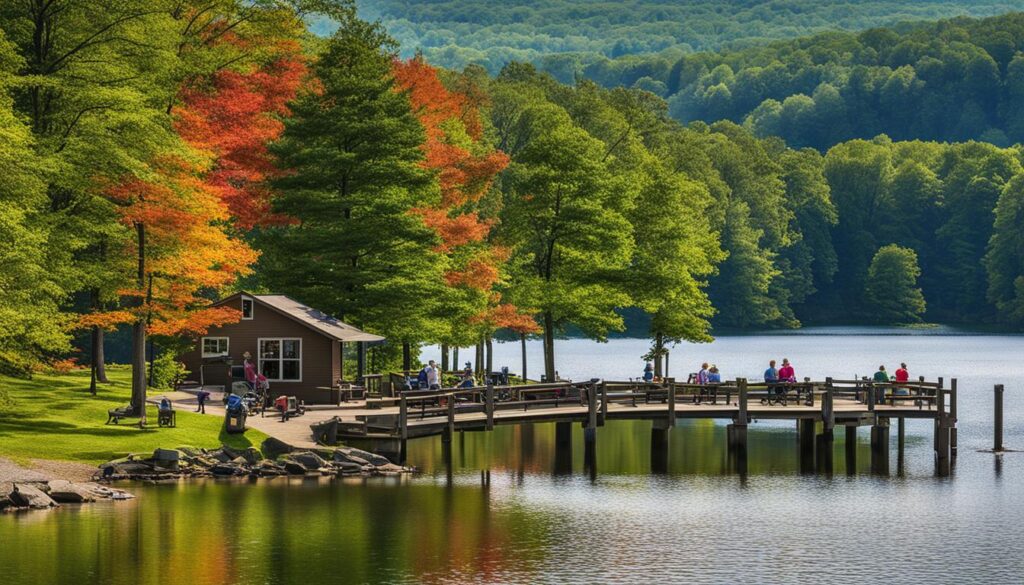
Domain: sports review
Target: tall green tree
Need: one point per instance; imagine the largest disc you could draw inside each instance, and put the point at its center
(566, 226)
(31, 324)
(1004, 261)
(352, 153)
(891, 290)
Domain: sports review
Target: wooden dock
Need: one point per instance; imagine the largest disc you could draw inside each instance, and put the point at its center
(816, 407)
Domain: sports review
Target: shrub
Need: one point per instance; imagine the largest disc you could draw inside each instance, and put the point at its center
(167, 371)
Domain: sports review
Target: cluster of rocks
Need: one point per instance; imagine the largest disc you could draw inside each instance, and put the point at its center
(50, 494)
(275, 458)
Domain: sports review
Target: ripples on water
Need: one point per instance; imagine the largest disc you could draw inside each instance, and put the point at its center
(544, 520)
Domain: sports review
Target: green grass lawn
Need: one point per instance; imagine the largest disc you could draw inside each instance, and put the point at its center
(55, 417)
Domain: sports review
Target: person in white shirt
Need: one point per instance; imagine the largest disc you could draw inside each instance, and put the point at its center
(433, 376)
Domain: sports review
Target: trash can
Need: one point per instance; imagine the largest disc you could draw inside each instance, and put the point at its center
(234, 415)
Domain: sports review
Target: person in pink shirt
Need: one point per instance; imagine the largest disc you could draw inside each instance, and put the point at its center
(250, 371)
(786, 372)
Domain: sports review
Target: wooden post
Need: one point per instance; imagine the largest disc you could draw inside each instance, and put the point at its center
(851, 450)
(592, 406)
(901, 424)
(880, 446)
(604, 402)
(952, 417)
(403, 417)
(997, 445)
(742, 413)
(671, 401)
(489, 405)
(449, 430)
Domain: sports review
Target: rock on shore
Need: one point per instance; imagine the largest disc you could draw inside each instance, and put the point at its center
(281, 459)
(39, 495)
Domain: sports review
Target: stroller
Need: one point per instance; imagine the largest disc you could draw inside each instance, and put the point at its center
(256, 399)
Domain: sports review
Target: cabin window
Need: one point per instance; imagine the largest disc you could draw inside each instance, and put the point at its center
(247, 307)
(215, 347)
(281, 359)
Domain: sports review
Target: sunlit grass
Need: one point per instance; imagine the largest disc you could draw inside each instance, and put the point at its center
(55, 417)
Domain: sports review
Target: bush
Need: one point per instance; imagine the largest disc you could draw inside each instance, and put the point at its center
(167, 371)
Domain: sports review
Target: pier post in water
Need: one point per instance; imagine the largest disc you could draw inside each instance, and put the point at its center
(563, 448)
(671, 419)
(942, 463)
(489, 406)
(659, 446)
(806, 445)
(997, 445)
(880, 446)
(901, 432)
(952, 418)
(736, 433)
(824, 441)
(449, 429)
(851, 449)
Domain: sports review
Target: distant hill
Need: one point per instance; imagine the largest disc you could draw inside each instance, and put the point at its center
(563, 34)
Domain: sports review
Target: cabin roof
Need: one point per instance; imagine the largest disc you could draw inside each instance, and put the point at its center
(312, 318)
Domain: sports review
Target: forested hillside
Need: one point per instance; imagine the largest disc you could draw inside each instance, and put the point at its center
(952, 80)
(562, 35)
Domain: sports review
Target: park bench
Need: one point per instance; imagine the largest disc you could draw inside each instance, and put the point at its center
(115, 415)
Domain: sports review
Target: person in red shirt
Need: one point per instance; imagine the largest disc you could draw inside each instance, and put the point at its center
(902, 375)
(786, 372)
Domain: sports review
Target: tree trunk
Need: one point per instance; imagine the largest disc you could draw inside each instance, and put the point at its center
(92, 379)
(98, 355)
(549, 347)
(149, 321)
(478, 367)
(444, 357)
(406, 356)
(522, 345)
(659, 347)
(455, 358)
(139, 334)
(490, 355)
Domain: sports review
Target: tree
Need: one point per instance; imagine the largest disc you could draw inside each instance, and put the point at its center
(569, 238)
(1004, 261)
(891, 289)
(354, 245)
(31, 324)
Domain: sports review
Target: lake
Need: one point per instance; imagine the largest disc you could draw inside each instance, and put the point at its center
(546, 519)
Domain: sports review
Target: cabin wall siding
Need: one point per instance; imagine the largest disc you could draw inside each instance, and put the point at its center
(320, 358)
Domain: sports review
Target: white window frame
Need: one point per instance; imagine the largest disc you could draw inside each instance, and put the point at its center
(227, 347)
(252, 303)
(280, 360)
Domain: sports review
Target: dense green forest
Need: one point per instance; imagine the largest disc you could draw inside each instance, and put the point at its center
(232, 147)
(563, 35)
(953, 80)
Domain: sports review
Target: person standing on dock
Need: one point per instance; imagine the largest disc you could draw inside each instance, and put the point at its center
(786, 372)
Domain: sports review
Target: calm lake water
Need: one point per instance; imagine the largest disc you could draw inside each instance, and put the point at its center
(545, 519)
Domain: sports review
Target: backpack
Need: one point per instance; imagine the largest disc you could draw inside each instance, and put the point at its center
(421, 378)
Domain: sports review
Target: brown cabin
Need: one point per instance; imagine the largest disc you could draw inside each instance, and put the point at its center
(296, 347)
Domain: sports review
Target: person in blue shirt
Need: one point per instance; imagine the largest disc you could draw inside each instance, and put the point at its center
(649, 372)
(771, 374)
(713, 376)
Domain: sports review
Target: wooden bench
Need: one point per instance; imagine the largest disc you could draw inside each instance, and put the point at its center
(115, 415)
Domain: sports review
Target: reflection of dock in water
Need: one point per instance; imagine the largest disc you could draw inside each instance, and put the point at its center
(816, 407)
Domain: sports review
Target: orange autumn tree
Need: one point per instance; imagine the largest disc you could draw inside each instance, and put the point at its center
(201, 188)
(466, 166)
(234, 115)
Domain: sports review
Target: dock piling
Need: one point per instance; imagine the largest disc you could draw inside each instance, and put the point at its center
(880, 446)
(997, 445)
(851, 449)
